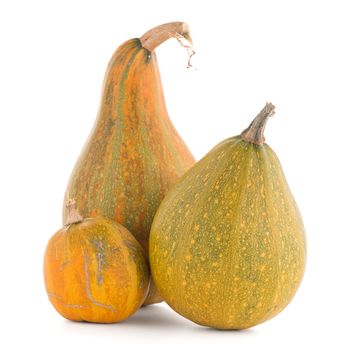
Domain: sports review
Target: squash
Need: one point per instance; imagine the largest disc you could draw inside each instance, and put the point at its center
(95, 270)
(134, 154)
(227, 245)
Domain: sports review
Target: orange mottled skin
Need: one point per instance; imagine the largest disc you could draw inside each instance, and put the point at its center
(134, 154)
(95, 271)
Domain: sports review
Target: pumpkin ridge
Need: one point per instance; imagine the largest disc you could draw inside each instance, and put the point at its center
(113, 173)
(203, 193)
(242, 178)
(225, 165)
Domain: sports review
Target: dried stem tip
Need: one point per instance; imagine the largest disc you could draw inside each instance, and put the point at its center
(73, 216)
(255, 131)
(154, 37)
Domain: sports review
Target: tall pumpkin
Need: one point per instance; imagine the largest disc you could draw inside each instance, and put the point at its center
(133, 154)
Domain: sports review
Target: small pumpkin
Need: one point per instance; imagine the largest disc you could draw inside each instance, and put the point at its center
(134, 154)
(95, 270)
(227, 245)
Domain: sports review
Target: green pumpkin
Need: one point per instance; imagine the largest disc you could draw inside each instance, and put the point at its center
(227, 245)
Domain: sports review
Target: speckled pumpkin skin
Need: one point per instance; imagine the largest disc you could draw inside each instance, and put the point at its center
(95, 271)
(227, 246)
(134, 154)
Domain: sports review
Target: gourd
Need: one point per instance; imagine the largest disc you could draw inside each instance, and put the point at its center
(133, 154)
(227, 245)
(95, 270)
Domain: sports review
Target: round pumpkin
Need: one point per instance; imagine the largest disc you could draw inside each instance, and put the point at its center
(95, 271)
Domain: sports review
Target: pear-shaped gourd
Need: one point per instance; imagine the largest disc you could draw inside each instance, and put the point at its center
(227, 246)
(95, 270)
(133, 154)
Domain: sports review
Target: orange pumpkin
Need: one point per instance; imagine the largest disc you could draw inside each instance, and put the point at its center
(95, 271)
(134, 155)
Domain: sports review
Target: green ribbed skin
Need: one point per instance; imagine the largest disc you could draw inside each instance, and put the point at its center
(227, 245)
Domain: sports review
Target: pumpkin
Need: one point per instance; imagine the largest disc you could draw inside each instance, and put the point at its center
(134, 154)
(95, 270)
(227, 245)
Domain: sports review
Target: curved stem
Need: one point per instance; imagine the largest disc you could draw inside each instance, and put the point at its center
(255, 131)
(154, 37)
(73, 215)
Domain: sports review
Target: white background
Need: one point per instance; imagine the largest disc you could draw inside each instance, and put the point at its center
(295, 54)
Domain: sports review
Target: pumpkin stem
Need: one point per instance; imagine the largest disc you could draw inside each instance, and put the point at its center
(255, 131)
(156, 36)
(73, 215)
